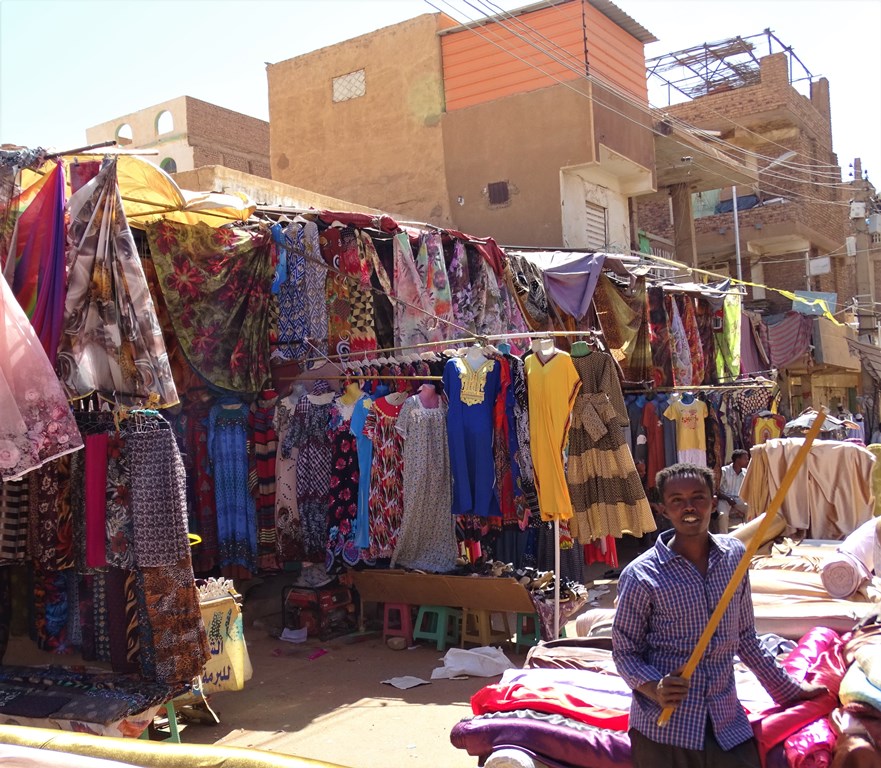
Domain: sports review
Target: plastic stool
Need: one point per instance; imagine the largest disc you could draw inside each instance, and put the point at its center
(528, 630)
(439, 623)
(477, 628)
(174, 733)
(400, 612)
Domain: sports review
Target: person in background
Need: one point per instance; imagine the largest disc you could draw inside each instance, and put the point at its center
(665, 598)
(729, 491)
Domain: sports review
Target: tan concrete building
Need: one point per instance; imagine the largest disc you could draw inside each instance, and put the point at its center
(189, 133)
(795, 208)
(476, 128)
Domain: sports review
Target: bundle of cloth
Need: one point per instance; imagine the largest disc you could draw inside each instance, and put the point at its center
(568, 708)
(854, 561)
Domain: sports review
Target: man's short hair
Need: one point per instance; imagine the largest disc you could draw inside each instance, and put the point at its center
(739, 453)
(684, 470)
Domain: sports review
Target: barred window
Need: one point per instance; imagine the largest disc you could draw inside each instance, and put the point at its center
(498, 192)
(350, 86)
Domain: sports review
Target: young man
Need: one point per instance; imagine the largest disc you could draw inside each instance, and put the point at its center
(729, 490)
(665, 598)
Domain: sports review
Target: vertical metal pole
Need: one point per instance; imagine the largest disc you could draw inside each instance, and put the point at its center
(808, 270)
(736, 235)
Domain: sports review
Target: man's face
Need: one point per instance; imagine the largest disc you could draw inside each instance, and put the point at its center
(741, 463)
(688, 504)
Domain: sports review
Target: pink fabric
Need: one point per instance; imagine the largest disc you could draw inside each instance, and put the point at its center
(812, 746)
(96, 499)
(818, 659)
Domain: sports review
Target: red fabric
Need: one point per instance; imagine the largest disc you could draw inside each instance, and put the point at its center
(96, 499)
(812, 746)
(818, 659)
(654, 434)
(361, 220)
(593, 552)
(501, 443)
(555, 699)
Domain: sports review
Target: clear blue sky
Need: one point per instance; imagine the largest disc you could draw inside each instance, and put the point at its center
(69, 64)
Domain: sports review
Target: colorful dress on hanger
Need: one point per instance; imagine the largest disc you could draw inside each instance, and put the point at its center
(309, 433)
(386, 482)
(766, 426)
(623, 320)
(236, 523)
(460, 287)
(344, 480)
(36, 424)
(607, 495)
(364, 447)
(704, 315)
(471, 395)
(265, 449)
(691, 435)
(553, 385)
(411, 324)
(728, 339)
(427, 539)
(692, 334)
(659, 336)
(287, 517)
(338, 290)
(679, 346)
(433, 273)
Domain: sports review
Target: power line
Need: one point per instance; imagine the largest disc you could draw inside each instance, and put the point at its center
(641, 107)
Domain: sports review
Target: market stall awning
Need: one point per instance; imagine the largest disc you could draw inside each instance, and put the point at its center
(870, 355)
(150, 194)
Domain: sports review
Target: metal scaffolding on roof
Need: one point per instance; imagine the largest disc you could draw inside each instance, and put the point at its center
(720, 66)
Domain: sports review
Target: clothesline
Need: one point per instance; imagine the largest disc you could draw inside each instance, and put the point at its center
(630, 389)
(366, 377)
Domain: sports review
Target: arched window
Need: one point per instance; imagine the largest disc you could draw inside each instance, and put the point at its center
(164, 122)
(124, 134)
(168, 165)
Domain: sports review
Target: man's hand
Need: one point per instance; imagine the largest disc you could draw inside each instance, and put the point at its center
(669, 691)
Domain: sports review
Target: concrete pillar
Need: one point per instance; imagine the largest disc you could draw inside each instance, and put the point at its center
(683, 224)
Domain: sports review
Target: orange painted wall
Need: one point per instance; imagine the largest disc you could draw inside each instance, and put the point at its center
(489, 62)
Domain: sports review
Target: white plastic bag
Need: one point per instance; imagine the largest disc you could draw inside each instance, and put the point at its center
(474, 662)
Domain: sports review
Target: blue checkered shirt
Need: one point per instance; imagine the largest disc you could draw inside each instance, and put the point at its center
(664, 603)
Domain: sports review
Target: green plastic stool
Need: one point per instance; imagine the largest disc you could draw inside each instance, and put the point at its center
(528, 630)
(439, 623)
(174, 733)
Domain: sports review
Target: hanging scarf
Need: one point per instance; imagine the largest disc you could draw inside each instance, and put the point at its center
(111, 341)
(216, 284)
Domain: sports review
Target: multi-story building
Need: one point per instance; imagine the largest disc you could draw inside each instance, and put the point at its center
(530, 126)
(797, 209)
(189, 133)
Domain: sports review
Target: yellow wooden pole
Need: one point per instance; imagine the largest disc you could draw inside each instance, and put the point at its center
(743, 565)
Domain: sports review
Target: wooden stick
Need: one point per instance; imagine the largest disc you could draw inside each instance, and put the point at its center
(743, 565)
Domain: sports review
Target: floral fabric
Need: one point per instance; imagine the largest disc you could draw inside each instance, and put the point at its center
(433, 275)
(411, 325)
(36, 424)
(216, 284)
(111, 341)
(386, 480)
(344, 479)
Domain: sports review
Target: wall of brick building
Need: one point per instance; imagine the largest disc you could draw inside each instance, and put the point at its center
(220, 136)
(384, 148)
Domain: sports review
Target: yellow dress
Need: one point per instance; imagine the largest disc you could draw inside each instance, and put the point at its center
(552, 385)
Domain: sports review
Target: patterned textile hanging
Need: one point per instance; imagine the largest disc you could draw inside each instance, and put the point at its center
(433, 273)
(111, 341)
(36, 425)
(216, 284)
(35, 267)
(411, 325)
(659, 336)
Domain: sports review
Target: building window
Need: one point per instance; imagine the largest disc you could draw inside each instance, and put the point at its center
(124, 134)
(164, 122)
(350, 86)
(168, 165)
(498, 193)
(595, 226)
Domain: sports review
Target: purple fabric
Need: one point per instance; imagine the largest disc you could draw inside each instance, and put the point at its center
(570, 285)
(552, 738)
(790, 338)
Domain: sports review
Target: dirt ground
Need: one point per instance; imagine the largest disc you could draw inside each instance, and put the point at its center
(334, 707)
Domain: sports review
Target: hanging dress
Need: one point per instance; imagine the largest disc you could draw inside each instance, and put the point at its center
(364, 448)
(309, 433)
(427, 539)
(386, 482)
(287, 516)
(691, 435)
(236, 523)
(552, 385)
(264, 450)
(472, 395)
(344, 481)
(433, 273)
(607, 495)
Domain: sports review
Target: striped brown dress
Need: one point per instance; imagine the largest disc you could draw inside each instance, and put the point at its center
(607, 494)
